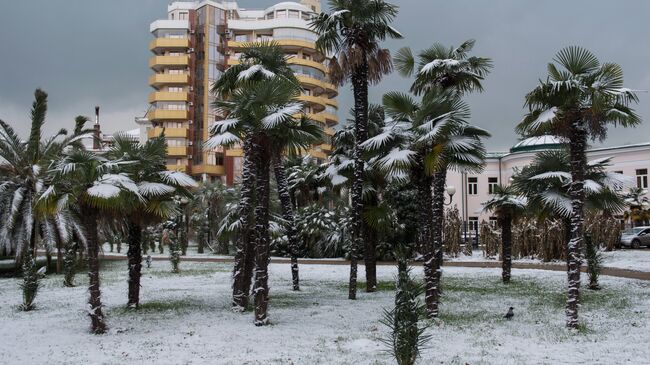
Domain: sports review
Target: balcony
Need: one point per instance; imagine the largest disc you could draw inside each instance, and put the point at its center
(160, 44)
(310, 63)
(168, 96)
(158, 80)
(321, 86)
(169, 24)
(177, 151)
(209, 169)
(181, 168)
(285, 43)
(318, 104)
(158, 62)
(162, 114)
(169, 132)
(326, 147)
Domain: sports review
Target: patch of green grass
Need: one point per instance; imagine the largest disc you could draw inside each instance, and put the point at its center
(178, 306)
(382, 285)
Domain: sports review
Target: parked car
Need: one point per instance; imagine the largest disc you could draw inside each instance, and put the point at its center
(636, 237)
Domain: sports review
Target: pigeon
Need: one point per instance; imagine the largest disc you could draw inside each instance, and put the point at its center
(510, 314)
(148, 261)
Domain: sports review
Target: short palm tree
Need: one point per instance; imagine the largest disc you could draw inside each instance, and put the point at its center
(91, 187)
(578, 100)
(262, 115)
(352, 33)
(154, 202)
(507, 205)
(24, 178)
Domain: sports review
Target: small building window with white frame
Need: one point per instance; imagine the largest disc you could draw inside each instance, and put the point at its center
(642, 178)
(472, 224)
(492, 184)
(472, 186)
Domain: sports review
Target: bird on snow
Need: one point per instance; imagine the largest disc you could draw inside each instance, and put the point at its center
(510, 314)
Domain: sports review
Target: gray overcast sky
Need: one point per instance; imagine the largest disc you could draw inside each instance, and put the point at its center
(88, 52)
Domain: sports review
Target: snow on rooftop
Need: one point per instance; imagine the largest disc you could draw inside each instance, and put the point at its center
(538, 142)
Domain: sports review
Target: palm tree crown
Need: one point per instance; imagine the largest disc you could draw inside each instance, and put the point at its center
(352, 33)
(579, 88)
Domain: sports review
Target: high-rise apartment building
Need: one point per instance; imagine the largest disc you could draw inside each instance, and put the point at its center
(193, 47)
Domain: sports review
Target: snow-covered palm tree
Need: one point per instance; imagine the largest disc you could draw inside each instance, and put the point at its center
(578, 100)
(422, 140)
(444, 67)
(154, 201)
(264, 116)
(260, 62)
(352, 33)
(340, 172)
(507, 205)
(91, 187)
(24, 178)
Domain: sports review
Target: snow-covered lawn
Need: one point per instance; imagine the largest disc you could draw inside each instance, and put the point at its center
(638, 260)
(185, 319)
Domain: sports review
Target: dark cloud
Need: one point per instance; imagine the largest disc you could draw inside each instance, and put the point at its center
(86, 52)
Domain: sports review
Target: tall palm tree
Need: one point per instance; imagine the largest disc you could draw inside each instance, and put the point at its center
(154, 202)
(444, 68)
(262, 114)
(257, 63)
(424, 140)
(578, 100)
(291, 141)
(340, 170)
(507, 205)
(441, 69)
(352, 33)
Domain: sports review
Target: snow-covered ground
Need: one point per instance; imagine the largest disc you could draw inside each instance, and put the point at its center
(185, 319)
(638, 260)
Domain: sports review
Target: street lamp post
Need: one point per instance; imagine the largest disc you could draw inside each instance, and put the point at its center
(451, 190)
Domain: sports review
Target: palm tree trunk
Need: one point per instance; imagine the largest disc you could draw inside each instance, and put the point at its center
(242, 256)
(134, 255)
(287, 215)
(370, 258)
(576, 191)
(506, 247)
(261, 289)
(434, 260)
(360, 88)
(89, 221)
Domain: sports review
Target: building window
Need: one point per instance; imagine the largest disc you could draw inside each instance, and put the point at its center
(182, 16)
(642, 178)
(241, 38)
(270, 15)
(492, 184)
(472, 224)
(294, 14)
(472, 186)
(493, 221)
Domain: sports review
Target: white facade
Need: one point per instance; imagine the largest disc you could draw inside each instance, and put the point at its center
(474, 189)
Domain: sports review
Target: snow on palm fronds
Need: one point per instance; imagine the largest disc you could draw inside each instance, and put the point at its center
(178, 178)
(111, 185)
(253, 70)
(222, 139)
(281, 115)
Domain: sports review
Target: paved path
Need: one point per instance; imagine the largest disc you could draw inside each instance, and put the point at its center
(608, 271)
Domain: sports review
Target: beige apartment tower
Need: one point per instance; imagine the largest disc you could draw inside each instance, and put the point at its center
(193, 47)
